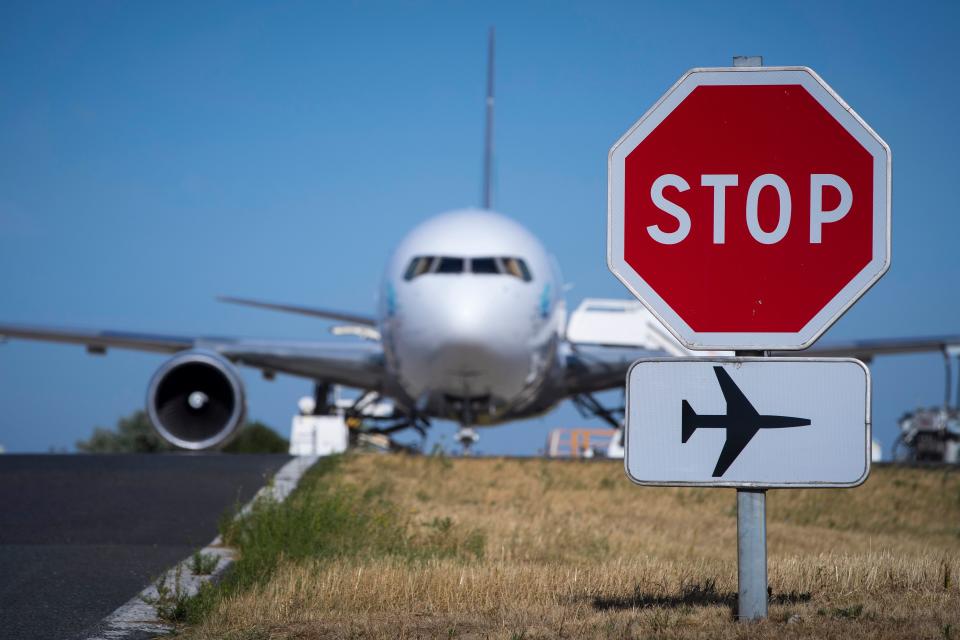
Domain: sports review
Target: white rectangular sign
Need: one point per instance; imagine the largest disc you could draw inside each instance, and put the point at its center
(748, 422)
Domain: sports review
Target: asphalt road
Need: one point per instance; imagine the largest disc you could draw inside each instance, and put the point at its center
(82, 534)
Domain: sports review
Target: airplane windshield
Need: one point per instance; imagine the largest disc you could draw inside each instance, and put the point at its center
(422, 265)
(450, 265)
(484, 265)
(418, 266)
(517, 268)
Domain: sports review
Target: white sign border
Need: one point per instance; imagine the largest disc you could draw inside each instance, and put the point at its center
(868, 441)
(844, 299)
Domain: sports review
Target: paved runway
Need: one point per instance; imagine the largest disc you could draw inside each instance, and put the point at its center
(82, 534)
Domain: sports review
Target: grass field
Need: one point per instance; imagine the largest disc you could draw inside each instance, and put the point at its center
(404, 547)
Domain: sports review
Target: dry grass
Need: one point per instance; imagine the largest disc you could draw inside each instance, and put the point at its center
(572, 550)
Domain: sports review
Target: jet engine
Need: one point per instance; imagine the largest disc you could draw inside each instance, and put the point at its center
(196, 400)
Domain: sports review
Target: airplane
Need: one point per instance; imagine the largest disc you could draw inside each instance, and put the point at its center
(741, 421)
(471, 326)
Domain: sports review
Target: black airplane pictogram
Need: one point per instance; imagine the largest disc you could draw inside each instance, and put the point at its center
(741, 421)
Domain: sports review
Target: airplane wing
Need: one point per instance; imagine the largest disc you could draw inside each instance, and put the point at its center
(737, 403)
(604, 337)
(737, 439)
(867, 349)
(590, 368)
(326, 314)
(358, 365)
(594, 366)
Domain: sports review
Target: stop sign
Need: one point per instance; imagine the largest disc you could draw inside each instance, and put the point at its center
(749, 208)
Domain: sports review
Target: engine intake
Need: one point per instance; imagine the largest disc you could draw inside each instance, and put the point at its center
(196, 400)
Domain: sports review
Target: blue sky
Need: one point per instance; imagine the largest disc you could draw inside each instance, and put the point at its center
(158, 154)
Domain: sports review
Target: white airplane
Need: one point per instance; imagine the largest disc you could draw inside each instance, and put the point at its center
(471, 326)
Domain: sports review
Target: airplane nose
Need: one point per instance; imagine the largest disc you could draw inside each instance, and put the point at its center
(476, 340)
(468, 337)
(472, 340)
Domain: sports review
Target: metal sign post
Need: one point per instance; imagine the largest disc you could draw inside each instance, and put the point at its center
(751, 554)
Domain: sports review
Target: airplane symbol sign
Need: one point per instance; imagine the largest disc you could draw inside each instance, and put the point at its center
(748, 422)
(741, 421)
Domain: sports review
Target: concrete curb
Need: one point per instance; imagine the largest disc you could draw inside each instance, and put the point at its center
(137, 619)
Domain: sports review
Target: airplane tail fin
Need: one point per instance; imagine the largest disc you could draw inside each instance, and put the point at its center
(488, 129)
(687, 425)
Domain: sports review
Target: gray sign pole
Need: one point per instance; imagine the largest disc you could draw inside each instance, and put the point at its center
(751, 554)
(751, 511)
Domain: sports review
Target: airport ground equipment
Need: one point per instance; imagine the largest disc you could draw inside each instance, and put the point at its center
(331, 421)
(580, 443)
(748, 209)
(318, 435)
(929, 435)
(933, 434)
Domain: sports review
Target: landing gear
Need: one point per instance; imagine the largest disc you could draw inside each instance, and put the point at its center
(467, 437)
(323, 399)
(589, 406)
(322, 403)
(418, 424)
(367, 419)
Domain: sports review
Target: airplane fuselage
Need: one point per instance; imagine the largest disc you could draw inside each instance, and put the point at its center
(471, 315)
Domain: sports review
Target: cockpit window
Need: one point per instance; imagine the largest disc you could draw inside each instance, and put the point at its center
(421, 265)
(517, 268)
(418, 266)
(450, 265)
(484, 265)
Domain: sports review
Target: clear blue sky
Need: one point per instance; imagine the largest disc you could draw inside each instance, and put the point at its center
(157, 154)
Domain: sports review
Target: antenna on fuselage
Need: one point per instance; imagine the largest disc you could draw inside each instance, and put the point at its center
(488, 130)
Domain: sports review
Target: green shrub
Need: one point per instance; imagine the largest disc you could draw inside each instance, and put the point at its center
(256, 437)
(135, 434)
(324, 519)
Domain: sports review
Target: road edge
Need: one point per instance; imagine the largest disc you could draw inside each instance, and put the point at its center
(137, 619)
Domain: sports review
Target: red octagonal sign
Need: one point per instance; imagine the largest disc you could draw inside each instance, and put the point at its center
(749, 208)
